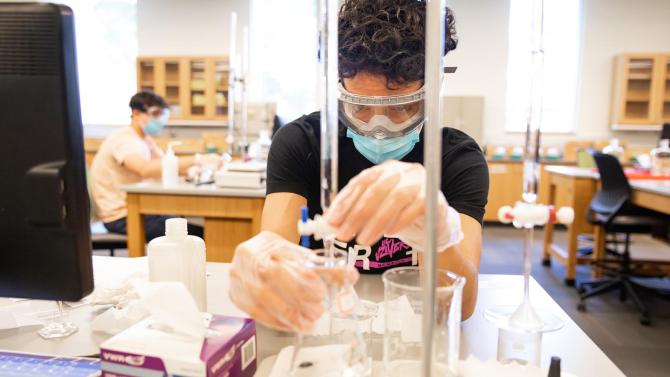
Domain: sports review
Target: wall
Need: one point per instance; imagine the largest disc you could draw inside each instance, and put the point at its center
(610, 27)
(194, 27)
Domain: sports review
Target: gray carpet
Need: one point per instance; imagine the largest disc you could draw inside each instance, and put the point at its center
(637, 350)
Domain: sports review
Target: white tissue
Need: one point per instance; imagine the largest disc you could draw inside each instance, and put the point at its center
(170, 305)
(172, 308)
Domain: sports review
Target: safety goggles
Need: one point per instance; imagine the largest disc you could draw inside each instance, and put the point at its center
(381, 117)
(161, 114)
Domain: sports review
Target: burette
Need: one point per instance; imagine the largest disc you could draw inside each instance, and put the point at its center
(238, 73)
(232, 81)
(527, 213)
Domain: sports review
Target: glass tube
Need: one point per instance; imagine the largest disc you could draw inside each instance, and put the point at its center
(329, 112)
(435, 12)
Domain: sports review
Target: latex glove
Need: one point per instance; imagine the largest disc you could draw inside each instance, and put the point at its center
(210, 161)
(389, 199)
(270, 280)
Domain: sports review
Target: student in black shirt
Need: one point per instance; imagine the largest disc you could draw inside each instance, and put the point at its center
(378, 214)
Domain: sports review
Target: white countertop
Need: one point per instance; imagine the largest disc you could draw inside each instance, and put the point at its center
(572, 171)
(153, 187)
(661, 187)
(578, 352)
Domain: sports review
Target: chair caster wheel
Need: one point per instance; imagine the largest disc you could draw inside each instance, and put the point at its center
(546, 262)
(581, 290)
(581, 307)
(569, 282)
(644, 321)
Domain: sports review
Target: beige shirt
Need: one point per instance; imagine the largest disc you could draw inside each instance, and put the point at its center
(108, 173)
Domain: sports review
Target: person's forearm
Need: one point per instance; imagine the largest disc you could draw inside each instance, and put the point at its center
(153, 169)
(453, 260)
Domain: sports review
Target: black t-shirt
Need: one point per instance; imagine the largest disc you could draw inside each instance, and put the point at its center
(294, 166)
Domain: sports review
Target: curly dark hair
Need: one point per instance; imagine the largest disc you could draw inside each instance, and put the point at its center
(387, 37)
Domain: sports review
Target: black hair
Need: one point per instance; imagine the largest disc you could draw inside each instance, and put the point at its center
(387, 37)
(145, 99)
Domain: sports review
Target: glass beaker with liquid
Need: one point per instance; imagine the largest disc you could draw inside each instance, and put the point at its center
(336, 346)
(403, 306)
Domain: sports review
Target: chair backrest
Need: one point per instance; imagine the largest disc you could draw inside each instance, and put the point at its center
(615, 190)
(665, 132)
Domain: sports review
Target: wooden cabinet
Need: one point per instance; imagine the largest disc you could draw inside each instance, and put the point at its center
(641, 91)
(505, 186)
(196, 88)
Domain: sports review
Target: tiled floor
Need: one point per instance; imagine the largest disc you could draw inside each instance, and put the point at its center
(638, 350)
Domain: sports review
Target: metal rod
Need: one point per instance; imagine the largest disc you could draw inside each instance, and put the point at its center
(435, 12)
(230, 139)
(329, 116)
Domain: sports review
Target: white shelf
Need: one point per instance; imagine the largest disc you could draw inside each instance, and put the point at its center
(636, 127)
(199, 123)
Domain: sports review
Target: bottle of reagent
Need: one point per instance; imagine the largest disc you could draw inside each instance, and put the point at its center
(179, 257)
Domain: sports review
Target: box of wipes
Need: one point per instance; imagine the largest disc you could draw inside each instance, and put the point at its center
(146, 350)
(178, 340)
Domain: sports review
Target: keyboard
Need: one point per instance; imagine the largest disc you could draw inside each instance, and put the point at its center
(14, 364)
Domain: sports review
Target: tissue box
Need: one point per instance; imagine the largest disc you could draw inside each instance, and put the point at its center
(146, 350)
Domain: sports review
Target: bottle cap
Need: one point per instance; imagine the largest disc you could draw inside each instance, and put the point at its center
(176, 227)
(555, 367)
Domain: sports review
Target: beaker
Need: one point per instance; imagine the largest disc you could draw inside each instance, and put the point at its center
(336, 346)
(403, 306)
(520, 346)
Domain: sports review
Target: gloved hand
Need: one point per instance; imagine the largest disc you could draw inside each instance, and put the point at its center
(270, 280)
(389, 199)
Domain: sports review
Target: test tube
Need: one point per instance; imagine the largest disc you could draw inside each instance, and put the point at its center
(329, 114)
(435, 12)
(244, 76)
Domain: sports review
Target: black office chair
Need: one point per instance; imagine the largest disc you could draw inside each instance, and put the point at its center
(665, 131)
(101, 238)
(612, 209)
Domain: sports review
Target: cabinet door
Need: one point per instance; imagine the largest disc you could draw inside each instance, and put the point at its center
(637, 91)
(664, 97)
(171, 87)
(505, 187)
(197, 88)
(221, 71)
(145, 75)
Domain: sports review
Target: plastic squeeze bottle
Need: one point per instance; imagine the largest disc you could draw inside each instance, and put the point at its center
(170, 171)
(179, 257)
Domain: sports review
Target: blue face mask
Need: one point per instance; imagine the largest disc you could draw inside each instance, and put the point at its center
(154, 126)
(380, 150)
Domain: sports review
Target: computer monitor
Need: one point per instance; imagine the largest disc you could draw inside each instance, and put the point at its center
(45, 241)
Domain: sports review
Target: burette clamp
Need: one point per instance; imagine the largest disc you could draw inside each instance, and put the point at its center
(526, 214)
